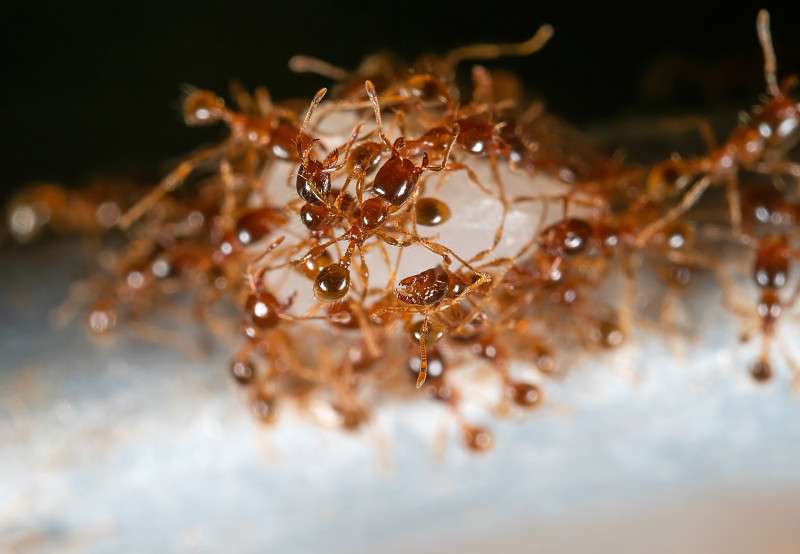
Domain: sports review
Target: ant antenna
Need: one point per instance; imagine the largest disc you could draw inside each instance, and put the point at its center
(492, 51)
(373, 96)
(307, 64)
(770, 66)
(314, 103)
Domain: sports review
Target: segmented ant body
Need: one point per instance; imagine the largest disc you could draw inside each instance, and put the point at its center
(771, 273)
(773, 130)
(271, 133)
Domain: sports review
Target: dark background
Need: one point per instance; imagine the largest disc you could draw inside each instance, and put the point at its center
(91, 86)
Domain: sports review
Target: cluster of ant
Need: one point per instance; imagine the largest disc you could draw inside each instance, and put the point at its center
(373, 327)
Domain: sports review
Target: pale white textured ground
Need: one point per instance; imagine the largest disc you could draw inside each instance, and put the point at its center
(132, 448)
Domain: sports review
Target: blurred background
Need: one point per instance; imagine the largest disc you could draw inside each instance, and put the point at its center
(92, 85)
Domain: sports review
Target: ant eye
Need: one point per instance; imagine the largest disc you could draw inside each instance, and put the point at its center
(332, 283)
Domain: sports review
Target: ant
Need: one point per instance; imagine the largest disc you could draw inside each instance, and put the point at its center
(773, 130)
(313, 179)
(433, 290)
(771, 273)
(247, 132)
(397, 178)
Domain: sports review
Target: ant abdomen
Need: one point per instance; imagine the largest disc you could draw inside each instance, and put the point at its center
(431, 212)
(525, 395)
(569, 237)
(332, 283)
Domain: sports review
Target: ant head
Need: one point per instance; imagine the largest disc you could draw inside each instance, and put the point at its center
(203, 107)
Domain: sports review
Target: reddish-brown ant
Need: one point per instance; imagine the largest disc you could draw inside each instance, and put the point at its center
(314, 177)
(397, 178)
(770, 273)
(773, 130)
(202, 107)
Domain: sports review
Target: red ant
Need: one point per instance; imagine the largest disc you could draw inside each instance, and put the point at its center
(313, 178)
(433, 290)
(771, 273)
(203, 107)
(773, 130)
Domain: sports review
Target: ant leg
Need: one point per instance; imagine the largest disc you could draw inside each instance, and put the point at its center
(675, 212)
(172, 181)
(734, 204)
(473, 178)
(788, 168)
(477, 309)
(363, 272)
(366, 330)
(498, 235)
(229, 199)
(625, 316)
(263, 103)
(165, 337)
(242, 98)
(700, 123)
(423, 365)
(453, 136)
(350, 141)
(252, 277)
